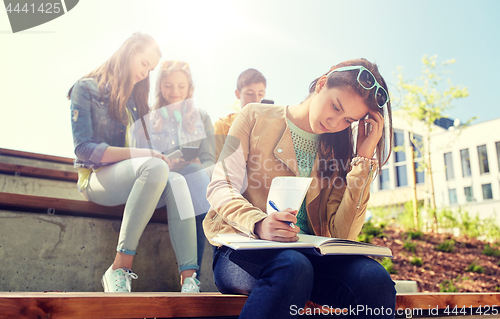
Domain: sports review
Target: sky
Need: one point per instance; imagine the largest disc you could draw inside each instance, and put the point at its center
(291, 42)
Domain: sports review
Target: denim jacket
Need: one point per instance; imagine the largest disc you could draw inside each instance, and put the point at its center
(93, 127)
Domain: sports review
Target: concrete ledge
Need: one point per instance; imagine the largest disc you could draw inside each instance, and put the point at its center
(42, 252)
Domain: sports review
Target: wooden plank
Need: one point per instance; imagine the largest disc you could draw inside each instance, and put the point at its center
(119, 305)
(72, 207)
(38, 172)
(43, 157)
(442, 300)
(56, 305)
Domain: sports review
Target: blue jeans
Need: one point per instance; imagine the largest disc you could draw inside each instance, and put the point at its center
(197, 181)
(278, 283)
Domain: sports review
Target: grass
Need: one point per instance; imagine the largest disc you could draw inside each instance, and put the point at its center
(474, 267)
(386, 262)
(447, 286)
(447, 246)
(410, 246)
(370, 231)
(416, 261)
(414, 234)
(490, 251)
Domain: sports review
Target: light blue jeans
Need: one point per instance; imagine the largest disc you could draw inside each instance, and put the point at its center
(197, 181)
(141, 184)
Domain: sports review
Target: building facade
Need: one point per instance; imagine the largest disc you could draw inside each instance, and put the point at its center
(465, 167)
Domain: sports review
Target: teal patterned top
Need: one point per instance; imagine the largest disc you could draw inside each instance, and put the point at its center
(306, 147)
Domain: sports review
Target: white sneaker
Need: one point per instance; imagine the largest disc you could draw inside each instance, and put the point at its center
(119, 280)
(191, 284)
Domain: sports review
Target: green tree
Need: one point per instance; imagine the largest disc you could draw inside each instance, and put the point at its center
(427, 99)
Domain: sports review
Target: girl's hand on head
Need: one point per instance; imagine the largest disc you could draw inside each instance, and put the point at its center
(368, 140)
(274, 226)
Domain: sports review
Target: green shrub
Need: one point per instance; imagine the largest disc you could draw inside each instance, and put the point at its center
(388, 265)
(414, 234)
(474, 267)
(447, 286)
(369, 231)
(447, 246)
(490, 251)
(410, 246)
(416, 261)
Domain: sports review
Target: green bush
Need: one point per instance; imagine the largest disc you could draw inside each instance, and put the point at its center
(414, 234)
(369, 231)
(474, 267)
(410, 246)
(416, 261)
(388, 265)
(447, 246)
(447, 286)
(468, 224)
(490, 251)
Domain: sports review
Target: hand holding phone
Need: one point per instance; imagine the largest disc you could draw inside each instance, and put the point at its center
(175, 154)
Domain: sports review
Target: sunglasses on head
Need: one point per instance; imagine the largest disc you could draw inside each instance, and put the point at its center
(180, 64)
(367, 80)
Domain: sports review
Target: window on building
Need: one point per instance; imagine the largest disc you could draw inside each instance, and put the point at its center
(448, 165)
(384, 179)
(416, 142)
(453, 196)
(464, 156)
(483, 159)
(401, 178)
(498, 154)
(419, 175)
(469, 195)
(400, 158)
(487, 193)
(399, 140)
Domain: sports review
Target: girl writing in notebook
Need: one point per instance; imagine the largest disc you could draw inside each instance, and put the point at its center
(311, 139)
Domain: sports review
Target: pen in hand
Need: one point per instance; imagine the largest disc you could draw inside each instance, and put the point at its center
(273, 205)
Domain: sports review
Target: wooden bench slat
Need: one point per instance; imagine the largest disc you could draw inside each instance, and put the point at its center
(43, 157)
(170, 304)
(73, 207)
(426, 300)
(38, 172)
(119, 305)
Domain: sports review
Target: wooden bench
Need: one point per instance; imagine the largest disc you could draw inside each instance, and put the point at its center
(61, 206)
(97, 305)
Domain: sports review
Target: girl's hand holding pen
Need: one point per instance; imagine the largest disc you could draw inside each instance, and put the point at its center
(275, 226)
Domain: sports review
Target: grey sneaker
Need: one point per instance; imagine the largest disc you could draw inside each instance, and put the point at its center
(119, 280)
(191, 284)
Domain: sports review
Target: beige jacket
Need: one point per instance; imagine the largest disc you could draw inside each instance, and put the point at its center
(259, 147)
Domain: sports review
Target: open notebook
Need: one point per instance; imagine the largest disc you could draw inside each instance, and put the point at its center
(308, 243)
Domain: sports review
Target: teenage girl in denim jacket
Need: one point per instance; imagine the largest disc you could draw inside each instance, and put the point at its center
(175, 123)
(310, 139)
(112, 171)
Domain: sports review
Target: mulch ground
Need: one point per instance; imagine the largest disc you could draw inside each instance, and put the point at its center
(438, 266)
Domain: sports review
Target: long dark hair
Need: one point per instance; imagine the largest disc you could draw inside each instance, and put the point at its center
(338, 148)
(113, 77)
